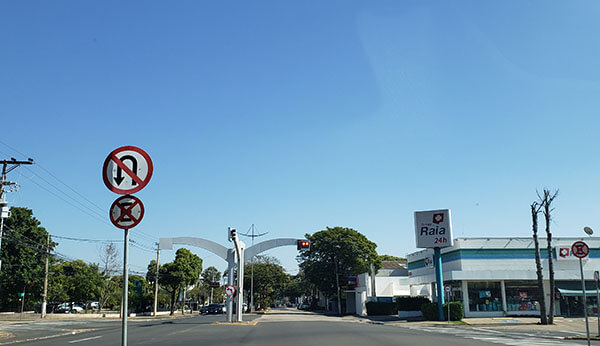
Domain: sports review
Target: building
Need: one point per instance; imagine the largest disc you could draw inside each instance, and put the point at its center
(390, 281)
(497, 276)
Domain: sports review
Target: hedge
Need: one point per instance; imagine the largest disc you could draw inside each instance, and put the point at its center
(430, 311)
(381, 308)
(411, 303)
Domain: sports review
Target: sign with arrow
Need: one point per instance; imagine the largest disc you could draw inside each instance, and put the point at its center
(127, 170)
(126, 212)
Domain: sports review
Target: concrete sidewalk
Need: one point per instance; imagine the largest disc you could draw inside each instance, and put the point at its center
(574, 326)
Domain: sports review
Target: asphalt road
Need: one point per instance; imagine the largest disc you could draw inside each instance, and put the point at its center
(282, 327)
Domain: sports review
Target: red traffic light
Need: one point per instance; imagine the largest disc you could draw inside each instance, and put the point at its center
(303, 244)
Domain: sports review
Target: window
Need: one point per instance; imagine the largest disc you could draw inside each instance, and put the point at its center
(485, 296)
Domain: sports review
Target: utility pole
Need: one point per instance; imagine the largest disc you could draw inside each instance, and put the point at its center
(45, 295)
(156, 280)
(12, 186)
(252, 268)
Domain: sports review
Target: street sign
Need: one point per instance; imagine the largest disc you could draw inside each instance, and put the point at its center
(229, 290)
(127, 170)
(580, 249)
(126, 212)
(596, 278)
(447, 289)
(433, 228)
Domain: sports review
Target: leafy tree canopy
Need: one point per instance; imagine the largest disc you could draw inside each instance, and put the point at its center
(351, 251)
(390, 258)
(23, 256)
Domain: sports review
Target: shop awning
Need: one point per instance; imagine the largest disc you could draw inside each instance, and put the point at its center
(576, 293)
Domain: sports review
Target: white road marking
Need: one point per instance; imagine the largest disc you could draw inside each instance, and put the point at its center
(86, 339)
(496, 337)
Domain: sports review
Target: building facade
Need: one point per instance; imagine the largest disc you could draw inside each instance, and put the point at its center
(497, 276)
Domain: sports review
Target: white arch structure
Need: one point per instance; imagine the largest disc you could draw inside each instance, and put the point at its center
(229, 256)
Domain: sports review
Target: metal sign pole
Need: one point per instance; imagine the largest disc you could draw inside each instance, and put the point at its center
(587, 327)
(437, 259)
(124, 301)
(597, 278)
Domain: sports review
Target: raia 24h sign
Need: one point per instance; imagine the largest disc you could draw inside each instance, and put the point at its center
(433, 228)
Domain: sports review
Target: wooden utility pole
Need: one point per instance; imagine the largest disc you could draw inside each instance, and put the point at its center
(45, 295)
(156, 281)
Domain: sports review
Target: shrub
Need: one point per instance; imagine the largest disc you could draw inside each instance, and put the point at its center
(456, 311)
(381, 308)
(411, 303)
(430, 311)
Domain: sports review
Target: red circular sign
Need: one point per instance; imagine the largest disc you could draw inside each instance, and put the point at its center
(580, 249)
(230, 290)
(126, 212)
(128, 178)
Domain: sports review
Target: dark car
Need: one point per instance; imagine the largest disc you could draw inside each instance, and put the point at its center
(213, 309)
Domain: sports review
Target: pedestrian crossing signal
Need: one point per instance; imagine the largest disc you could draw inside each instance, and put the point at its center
(303, 245)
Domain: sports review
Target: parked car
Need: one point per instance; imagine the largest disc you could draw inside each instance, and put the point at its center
(213, 309)
(68, 308)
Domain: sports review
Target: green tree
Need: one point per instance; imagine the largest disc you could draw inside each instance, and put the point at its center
(270, 280)
(81, 282)
(177, 275)
(336, 253)
(390, 258)
(23, 256)
(211, 275)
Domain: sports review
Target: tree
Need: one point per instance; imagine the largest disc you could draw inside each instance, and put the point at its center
(546, 201)
(23, 257)
(182, 272)
(391, 258)
(82, 282)
(270, 280)
(535, 210)
(109, 260)
(210, 277)
(335, 254)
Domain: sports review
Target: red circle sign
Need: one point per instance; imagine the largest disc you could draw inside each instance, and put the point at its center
(126, 212)
(230, 290)
(127, 170)
(580, 249)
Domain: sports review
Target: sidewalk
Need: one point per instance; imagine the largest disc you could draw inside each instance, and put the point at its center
(573, 326)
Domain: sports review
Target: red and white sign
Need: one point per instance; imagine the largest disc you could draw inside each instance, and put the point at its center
(127, 170)
(229, 290)
(433, 228)
(580, 249)
(126, 212)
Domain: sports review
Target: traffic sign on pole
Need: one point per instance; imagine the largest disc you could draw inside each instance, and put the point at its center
(127, 170)
(126, 212)
(230, 290)
(580, 249)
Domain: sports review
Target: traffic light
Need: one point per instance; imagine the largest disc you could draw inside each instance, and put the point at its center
(232, 234)
(303, 244)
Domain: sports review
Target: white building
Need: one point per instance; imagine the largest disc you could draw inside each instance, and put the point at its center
(389, 282)
(497, 276)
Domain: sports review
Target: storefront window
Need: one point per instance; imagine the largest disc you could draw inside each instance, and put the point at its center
(484, 296)
(522, 296)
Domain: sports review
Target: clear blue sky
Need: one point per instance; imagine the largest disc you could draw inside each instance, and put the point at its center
(298, 116)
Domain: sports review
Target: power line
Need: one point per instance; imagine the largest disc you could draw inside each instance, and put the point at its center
(86, 240)
(66, 201)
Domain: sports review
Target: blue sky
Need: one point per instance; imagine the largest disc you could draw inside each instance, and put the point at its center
(298, 116)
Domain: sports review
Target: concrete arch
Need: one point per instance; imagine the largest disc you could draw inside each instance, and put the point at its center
(267, 245)
(217, 249)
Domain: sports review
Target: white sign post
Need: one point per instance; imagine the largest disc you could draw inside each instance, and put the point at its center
(581, 250)
(433, 229)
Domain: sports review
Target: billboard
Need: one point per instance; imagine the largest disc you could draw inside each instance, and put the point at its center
(433, 228)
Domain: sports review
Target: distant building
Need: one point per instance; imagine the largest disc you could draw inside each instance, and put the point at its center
(497, 276)
(389, 282)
